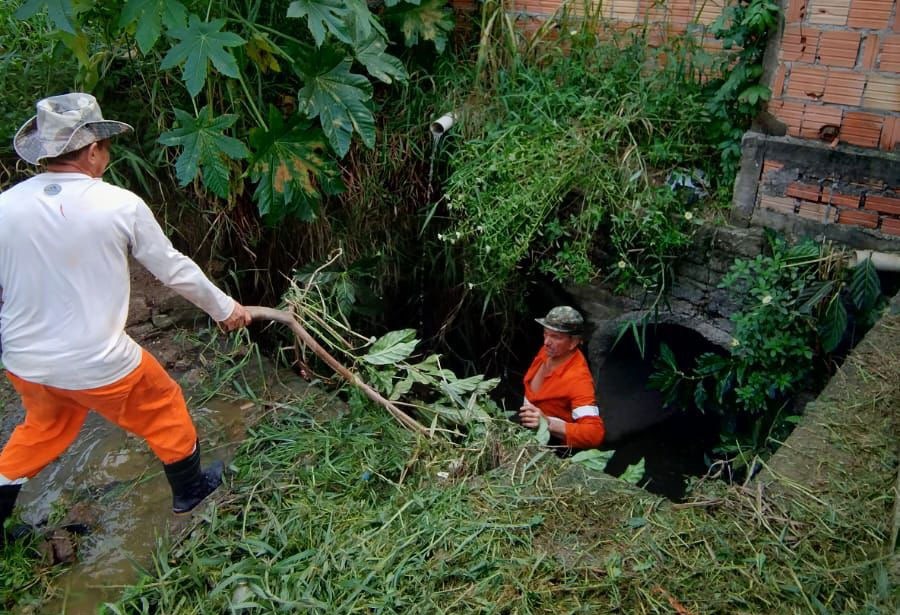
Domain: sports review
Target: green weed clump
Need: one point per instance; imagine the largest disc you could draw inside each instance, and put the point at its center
(565, 161)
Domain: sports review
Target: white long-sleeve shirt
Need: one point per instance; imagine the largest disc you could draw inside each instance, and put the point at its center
(64, 244)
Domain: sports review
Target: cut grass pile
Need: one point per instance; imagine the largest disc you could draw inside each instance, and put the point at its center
(354, 514)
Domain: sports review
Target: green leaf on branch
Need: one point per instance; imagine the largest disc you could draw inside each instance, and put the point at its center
(593, 459)
(754, 94)
(391, 348)
(372, 54)
(291, 168)
(205, 147)
(199, 44)
(543, 432)
(633, 474)
(865, 287)
(60, 12)
(322, 16)
(338, 98)
(150, 16)
(430, 20)
(833, 324)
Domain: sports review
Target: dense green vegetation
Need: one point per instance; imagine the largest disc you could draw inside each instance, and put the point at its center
(270, 134)
(288, 140)
(797, 306)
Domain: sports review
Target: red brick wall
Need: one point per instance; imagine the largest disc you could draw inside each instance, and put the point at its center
(825, 199)
(838, 67)
(838, 72)
(675, 15)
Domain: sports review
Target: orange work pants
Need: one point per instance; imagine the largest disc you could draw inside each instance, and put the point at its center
(146, 402)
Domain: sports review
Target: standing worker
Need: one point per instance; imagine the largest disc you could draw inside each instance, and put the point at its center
(65, 236)
(559, 385)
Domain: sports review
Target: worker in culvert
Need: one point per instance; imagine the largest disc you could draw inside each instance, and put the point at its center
(65, 237)
(559, 385)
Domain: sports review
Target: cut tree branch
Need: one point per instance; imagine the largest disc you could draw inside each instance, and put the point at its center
(264, 313)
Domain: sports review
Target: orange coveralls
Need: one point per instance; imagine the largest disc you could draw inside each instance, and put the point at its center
(146, 402)
(568, 393)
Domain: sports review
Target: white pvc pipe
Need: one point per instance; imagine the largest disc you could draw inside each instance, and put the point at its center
(441, 125)
(883, 261)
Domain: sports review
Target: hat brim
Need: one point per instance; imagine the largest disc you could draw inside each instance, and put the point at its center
(32, 149)
(543, 322)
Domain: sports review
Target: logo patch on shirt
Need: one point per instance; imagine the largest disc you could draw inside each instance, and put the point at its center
(52, 189)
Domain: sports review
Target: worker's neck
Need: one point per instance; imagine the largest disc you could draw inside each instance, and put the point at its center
(73, 166)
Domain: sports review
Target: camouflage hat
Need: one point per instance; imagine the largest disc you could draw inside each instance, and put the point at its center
(64, 124)
(564, 319)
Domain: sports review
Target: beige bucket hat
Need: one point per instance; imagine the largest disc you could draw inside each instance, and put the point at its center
(64, 124)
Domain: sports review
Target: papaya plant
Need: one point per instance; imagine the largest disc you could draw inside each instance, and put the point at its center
(273, 93)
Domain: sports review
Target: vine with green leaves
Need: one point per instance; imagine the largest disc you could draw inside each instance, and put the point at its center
(737, 95)
(797, 306)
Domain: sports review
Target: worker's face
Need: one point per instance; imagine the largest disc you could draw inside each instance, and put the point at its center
(559, 344)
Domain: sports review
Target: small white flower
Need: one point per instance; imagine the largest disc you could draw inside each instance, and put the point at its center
(440, 237)
(688, 215)
(573, 32)
(480, 228)
(470, 285)
(767, 299)
(622, 264)
(735, 342)
(458, 234)
(487, 249)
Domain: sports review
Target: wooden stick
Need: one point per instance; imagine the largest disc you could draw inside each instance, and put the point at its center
(264, 313)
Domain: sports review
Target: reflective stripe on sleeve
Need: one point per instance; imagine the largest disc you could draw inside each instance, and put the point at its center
(583, 411)
(9, 481)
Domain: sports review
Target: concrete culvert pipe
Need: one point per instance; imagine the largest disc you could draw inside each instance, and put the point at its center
(883, 261)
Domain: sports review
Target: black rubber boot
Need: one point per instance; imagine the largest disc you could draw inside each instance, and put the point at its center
(8, 495)
(190, 485)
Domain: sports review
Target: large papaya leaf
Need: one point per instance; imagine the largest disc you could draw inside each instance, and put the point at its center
(322, 16)
(200, 43)
(150, 16)
(428, 20)
(338, 98)
(205, 148)
(360, 21)
(60, 12)
(291, 168)
(372, 54)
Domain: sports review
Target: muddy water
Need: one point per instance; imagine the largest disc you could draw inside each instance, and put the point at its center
(112, 481)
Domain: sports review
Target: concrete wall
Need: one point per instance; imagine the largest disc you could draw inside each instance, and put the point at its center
(694, 301)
